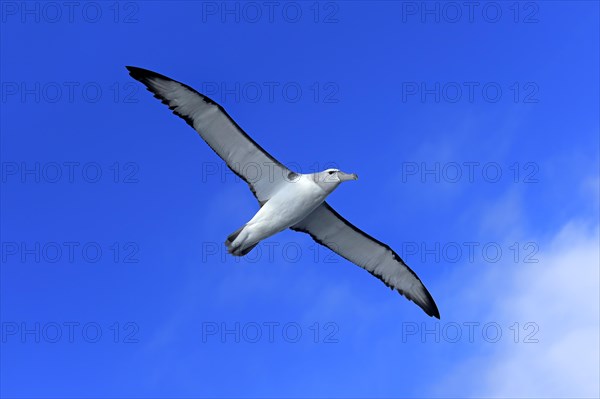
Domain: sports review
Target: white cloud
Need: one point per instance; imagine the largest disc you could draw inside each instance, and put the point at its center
(560, 294)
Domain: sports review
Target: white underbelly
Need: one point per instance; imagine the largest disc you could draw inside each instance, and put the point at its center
(289, 206)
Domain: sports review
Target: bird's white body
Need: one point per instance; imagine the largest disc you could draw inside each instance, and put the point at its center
(292, 203)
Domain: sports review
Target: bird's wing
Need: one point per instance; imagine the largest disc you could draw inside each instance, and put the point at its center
(328, 228)
(244, 156)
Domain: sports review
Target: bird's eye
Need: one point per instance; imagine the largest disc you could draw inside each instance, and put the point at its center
(331, 172)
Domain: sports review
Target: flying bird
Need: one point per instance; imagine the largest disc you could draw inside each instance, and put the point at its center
(287, 199)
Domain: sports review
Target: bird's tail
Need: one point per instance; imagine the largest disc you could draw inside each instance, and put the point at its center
(238, 249)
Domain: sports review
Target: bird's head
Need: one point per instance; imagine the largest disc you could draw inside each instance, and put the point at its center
(329, 179)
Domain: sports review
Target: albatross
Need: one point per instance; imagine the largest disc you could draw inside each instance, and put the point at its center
(287, 199)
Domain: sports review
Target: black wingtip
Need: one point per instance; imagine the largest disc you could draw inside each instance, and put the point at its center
(134, 70)
(141, 73)
(144, 76)
(435, 313)
(430, 307)
(427, 304)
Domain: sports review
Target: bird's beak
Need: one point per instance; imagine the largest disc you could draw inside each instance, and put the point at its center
(347, 176)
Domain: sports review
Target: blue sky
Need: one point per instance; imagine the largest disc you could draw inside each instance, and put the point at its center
(474, 129)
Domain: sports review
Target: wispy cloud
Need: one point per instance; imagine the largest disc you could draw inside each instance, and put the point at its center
(560, 295)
